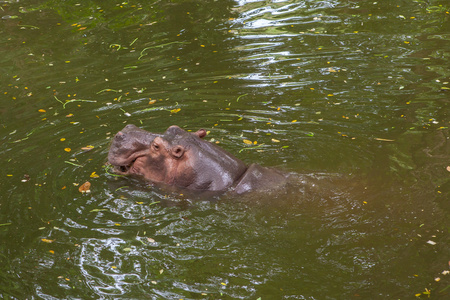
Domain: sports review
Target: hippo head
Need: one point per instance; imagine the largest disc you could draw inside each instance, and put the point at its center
(177, 158)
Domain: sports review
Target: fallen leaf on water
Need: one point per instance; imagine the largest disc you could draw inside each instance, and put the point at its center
(47, 241)
(247, 142)
(51, 251)
(94, 175)
(85, 187)
(87, 148)
(384, 140)
(98, 209)
(67, 149)
(150, 240)
(174, 111)
(431, 242)
(42, 110)
(275, 141)
(448, 168)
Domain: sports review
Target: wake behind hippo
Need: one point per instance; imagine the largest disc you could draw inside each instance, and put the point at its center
(184, 160)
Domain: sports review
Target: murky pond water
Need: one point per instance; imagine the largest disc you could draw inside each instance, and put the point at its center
(351, 95)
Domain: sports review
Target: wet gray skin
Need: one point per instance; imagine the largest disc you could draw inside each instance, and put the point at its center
(183, 159)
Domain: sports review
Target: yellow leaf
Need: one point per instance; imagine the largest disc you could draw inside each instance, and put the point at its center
(47, 241)
(42, 110)
(87, 148)
(247, 142)
(51, 251)
(255, 142)
(94, 175)
(67, 149)
(174, 111)
(62, 139)
(275, 141)
(293, 121)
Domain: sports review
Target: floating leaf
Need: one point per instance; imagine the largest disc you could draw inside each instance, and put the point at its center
(150, 240)
(98, 209)
(94, 175)
(47, 241)
(247, 142)
(42, 110)
(87, 148)
(67, 149)
(174, 111)
(85, 187)
(275, 141)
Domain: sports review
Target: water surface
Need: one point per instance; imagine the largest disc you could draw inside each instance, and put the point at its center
(351, 95)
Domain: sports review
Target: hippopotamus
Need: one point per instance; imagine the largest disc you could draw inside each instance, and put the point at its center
(185, 160)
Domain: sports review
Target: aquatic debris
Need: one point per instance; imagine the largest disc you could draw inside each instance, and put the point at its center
(94, 175)
(142, 54)
(85, 187)
(47, 241)
(73, 164)
(73, 100)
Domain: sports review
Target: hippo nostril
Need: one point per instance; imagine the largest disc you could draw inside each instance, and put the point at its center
(120, 136)
(123, 168)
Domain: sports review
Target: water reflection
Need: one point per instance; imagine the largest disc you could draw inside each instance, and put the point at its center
(350, 95)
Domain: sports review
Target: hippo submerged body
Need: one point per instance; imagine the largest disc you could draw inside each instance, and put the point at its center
(184, 160)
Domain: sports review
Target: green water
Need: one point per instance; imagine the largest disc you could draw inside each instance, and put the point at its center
(351, 95)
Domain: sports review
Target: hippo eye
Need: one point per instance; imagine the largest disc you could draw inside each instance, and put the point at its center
(156, 146)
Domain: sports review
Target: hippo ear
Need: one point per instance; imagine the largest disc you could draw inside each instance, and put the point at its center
(201, 133)
(177, 151)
